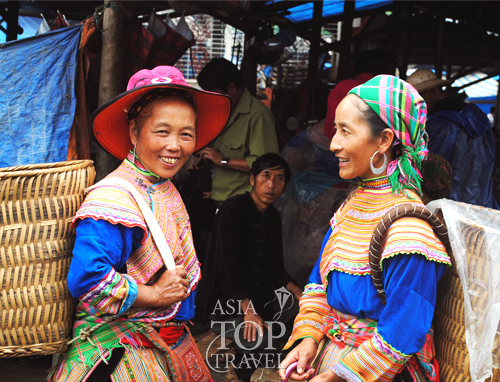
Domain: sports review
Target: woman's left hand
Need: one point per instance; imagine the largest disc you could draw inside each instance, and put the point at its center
(327, 376)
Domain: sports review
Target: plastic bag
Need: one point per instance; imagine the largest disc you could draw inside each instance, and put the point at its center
(475, 240)
(306, 205)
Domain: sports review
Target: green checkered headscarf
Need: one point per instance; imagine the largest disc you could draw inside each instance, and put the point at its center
(403, 110)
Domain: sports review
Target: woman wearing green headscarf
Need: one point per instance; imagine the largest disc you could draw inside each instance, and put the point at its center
(381, 140)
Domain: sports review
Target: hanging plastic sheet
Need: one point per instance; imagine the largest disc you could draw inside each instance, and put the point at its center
(37, 97)
(307, 204)
(474, 234)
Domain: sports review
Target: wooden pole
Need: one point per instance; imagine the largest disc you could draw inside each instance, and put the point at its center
(12, 20)
(496, 116)
(249, 71)
(449, 67)
(406, 41)
(110, 84)
(346, 33)
(312, 72)
(440, 47)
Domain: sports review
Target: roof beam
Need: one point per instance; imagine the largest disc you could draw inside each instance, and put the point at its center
(246, 21)
(313, 48)
(473, 69)
(373, 33)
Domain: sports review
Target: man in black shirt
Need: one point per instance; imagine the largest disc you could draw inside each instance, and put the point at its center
(245, 286)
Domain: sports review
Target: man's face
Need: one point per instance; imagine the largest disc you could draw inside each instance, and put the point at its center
(231, 92)
(268, 186)
(431, 97)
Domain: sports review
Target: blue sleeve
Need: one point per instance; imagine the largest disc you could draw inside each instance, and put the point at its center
(99, 247)
(315, 277)
(410, 283)
(186, 310)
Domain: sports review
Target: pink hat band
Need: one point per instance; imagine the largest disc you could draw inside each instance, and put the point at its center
(159, 75)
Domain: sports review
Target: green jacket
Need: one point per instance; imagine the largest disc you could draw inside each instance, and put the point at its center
(249, 133)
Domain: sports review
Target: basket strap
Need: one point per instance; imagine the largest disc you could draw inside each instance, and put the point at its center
(154, 227)
(398, 212)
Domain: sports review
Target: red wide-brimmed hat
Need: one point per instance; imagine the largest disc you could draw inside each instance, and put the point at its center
(110, 121)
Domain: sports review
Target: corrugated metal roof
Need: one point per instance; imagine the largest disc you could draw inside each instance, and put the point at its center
(486, 88)
(304, 12)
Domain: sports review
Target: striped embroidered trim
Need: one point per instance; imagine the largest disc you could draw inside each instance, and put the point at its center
(109, 294)
(313, 308)
(414, 248)
(314, 288)
(346, 374)
(312, 323)
(395, 355)
(353, 224)
(380, 183)
(373, 361)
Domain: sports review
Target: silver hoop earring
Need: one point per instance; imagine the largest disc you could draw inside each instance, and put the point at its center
(133, 159)
(380, 170)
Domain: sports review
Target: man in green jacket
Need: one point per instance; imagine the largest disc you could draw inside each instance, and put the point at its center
(249, 133)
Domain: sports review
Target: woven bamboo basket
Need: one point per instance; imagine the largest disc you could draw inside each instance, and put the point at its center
(37, 205)
(449, 318)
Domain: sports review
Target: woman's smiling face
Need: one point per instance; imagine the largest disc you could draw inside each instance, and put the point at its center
(353, 142)
(167, 135)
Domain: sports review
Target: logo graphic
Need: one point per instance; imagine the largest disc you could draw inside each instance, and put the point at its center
(260, 353)
(283, 296)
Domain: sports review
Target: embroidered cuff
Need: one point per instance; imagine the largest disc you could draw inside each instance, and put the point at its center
(313, 289)
(345, 373)
(109, 294)
(374, 360)
(306, 328)
(131, 295)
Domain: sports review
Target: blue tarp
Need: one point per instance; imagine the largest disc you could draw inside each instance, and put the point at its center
(37, 97)
(484, 103)
(304, 12)
(466, 140)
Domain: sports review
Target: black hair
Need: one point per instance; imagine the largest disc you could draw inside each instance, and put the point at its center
(218, 74)
(271, 160)
(377, 126)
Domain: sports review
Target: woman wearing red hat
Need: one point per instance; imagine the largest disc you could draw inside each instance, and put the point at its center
(135, 270)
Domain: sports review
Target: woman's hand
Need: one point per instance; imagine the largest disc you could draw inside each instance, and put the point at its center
(304, 353)
(170, 288)
(328, 376)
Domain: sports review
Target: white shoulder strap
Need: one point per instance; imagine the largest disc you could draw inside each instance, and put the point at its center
(150, 219)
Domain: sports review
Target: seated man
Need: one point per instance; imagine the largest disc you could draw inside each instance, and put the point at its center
(244, 281)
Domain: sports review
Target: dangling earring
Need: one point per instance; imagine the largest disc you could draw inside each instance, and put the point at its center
(133, 159)
(380, 170)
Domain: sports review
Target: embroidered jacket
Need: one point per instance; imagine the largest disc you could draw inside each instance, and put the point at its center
(413, 260)
(116, 290)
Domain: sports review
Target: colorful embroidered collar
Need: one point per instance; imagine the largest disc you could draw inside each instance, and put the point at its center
(141, 168)
(380, 183)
